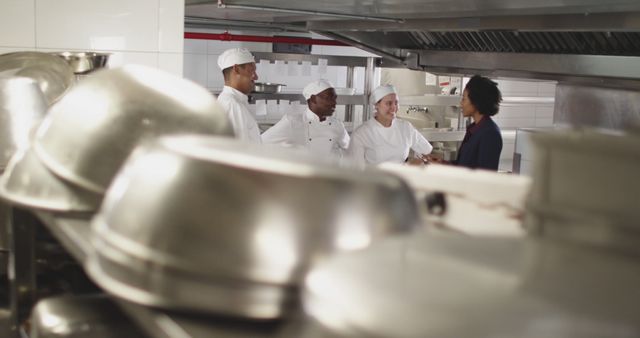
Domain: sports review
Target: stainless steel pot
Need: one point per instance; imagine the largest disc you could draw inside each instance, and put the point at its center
(22, 108)
(53, 75)
(90, 316)
(85, 62)
(28, 183)
(267, 88)
(254, 217)
(88, 134)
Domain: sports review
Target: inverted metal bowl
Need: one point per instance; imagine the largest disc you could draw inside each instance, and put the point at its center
(85, 62)
(28, 183)
(89, 133)
(90, 316)
(208, 210)
(53, 74)
(22, 108)
(267, 88)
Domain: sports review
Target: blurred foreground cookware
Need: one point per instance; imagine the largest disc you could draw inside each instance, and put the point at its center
(28, 183)
(577, 198)
(85, 62)
(435, 286)
(53, 74)
(218, 225)
(89, 316)
(22, 107)
(89, 133)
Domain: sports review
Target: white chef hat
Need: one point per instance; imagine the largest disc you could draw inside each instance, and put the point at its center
(381, 92)
(234, 56)
(316, 87)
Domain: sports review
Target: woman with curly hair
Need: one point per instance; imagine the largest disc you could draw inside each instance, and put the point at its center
(482, 144)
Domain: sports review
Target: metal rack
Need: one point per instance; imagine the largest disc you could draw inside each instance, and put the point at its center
(351, 62)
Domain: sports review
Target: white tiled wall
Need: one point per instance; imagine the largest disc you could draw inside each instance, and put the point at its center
(522, 115)
(148, 32)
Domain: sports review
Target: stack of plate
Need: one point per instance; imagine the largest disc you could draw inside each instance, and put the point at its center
(216, 225)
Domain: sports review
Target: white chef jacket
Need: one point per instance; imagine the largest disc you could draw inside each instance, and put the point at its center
(305, 130)
(373, 143)
(236, 104)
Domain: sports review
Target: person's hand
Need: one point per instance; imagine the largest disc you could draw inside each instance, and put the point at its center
(433, 159)
(415, 161)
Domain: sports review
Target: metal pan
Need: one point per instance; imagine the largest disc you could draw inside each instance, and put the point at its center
(53, 74)
(28, 183)
(110, 112)
(85, 62)
(252, 214)
(267, 88)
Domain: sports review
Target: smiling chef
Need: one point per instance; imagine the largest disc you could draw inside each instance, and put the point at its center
(316, 129)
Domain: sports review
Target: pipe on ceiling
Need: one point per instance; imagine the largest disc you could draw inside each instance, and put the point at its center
(256, 38)
(222, 4)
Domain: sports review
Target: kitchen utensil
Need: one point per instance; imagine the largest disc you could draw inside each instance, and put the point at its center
(254, 218)
(53, 75)
(267, 88)
(28, 183)
(85, 62)
(22, 107)
(90, 316)
(89, 133)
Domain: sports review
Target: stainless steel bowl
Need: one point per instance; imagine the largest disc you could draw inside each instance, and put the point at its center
(90, 316)
(22, 108)
(89, 133)
(267, 88)
(85, 62)
(28, 183)
(225, 217)
(53, 75)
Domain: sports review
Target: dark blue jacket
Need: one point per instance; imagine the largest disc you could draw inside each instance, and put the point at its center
(481, 146)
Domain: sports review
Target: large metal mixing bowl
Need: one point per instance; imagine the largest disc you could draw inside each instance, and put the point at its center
(28, 183)
(53, 74)
(22, 107)
(190, 218)
(86, 316)
(85, 62)
(88, 134)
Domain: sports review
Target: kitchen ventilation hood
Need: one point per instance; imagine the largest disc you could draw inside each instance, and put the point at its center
(579, 41)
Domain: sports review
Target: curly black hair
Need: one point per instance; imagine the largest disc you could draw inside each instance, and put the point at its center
(484, 95)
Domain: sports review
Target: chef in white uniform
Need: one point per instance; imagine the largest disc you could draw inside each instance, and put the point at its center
(315, 129)
(384, 138)
(239, 70)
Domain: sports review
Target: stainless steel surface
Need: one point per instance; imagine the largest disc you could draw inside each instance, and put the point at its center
(85, 62)
(500, 33)
(455, 286)
(254, 216)
(91, 316)
(22, 107)
(53, 75)
(368, 89)
(582, 200)
(111, 112)
(583, 106)
(28, 183)
(267, 88)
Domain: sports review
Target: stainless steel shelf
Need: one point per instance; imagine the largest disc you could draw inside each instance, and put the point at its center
(332, 60)
(342, 99)
(432, 100)
(75, 235)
